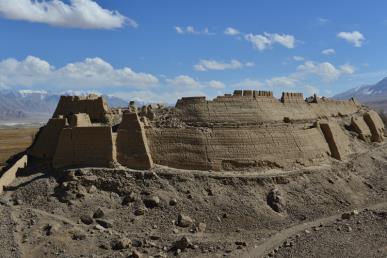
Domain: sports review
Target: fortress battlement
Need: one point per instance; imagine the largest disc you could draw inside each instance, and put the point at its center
(243, 130)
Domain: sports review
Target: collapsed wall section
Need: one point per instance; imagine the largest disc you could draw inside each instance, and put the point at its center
(376, 125)
(337, 141)
(360, 126)
(84, 146)
(131, 143)
(46, 140)
(236, 148)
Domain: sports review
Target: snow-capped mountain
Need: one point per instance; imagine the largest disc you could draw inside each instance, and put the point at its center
(367, 93)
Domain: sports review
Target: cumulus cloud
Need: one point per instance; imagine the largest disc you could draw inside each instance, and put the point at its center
(298, 58)
(215, 84)
(191, 30)
(84, 14)
(231, 31)
(354, 37)
(184, 81)
(328, 52)
(281, 81)
(206, 65)
(149, 96)
(187, 82)
(249, 84)
(266, 40)
(299, 80)
(89, 73)
(347, 69)
(325, 70)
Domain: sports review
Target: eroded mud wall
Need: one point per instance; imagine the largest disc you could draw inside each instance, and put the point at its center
(337, 140)
(46, 140)
(84, 146)
(8, 176)
(94, 106)
(131, 143)
(232, 148)
(376, 126)
(260, 108)
(360, 126)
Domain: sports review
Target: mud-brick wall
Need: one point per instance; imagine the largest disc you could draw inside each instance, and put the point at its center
(245, 109)
(96, 107)
(178, 148)
(46, 140)
(10, 174)
(84, 146)
(376, 125)
(223, 148)
(131, 143)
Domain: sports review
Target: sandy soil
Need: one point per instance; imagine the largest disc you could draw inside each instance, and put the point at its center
(93, 212)
(14, 140)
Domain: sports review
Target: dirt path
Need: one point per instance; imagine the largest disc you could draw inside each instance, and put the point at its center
(263, 249)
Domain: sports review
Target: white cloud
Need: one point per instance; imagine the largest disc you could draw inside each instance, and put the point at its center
(347, 69)
(187, 82)
(325, 70)
(310, 90)
(281, 81)
(354, 37)
(184, 81)
(192, 30)
(216, 84)
(231, 31)
(322, 21)
(328, 52)
(298, 58)
(84, 14)
(249, 84)
(262, 42)
(90, 73)
(206, 65)
(150, 96)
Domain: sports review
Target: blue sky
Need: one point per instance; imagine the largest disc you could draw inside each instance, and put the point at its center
(162, 50)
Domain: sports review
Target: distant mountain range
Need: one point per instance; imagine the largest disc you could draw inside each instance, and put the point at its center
(37, 106)
(373, 95)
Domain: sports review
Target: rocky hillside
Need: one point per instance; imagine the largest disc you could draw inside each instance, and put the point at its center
(374, 95)
(35, 105)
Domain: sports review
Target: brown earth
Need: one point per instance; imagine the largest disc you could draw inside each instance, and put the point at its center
(14, 140)
(48, 213)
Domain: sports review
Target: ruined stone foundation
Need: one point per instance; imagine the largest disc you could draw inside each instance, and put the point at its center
(245, 130)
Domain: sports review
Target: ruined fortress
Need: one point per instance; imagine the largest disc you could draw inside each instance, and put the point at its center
(244, 130)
